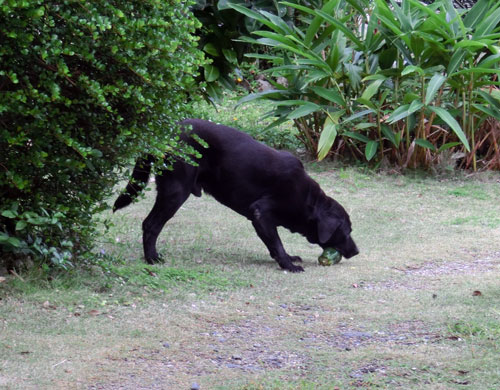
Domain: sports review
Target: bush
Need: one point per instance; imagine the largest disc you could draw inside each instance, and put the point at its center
(251, 120)
(84, 88)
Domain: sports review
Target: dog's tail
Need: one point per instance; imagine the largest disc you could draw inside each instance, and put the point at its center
(139, 180)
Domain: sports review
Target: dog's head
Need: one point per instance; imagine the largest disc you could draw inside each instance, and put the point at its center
(334, 228)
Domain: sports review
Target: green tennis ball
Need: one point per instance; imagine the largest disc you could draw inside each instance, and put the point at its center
(329, 256)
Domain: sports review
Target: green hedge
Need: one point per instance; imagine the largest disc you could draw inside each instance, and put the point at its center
(85, 86)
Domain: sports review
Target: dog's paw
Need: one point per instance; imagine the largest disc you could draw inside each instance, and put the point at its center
(296, 259)
(155, 259)
(295, 268)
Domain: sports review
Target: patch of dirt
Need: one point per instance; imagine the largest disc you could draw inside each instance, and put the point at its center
(386, 285)
(409, 333)
(256, 348)
(308, 313)
(431, 269)
(367, 369)
(246, 346)
(376, 374)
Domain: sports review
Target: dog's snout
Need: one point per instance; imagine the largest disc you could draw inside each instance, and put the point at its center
(351, 249)
(355, 251)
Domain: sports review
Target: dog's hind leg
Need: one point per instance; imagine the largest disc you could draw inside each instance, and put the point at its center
(173, 190)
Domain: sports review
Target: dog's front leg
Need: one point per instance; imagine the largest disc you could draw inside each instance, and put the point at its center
(268, 233)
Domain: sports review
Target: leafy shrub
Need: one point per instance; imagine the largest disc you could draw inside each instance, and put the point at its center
(251, 120)
(403, 82)
(84, 88)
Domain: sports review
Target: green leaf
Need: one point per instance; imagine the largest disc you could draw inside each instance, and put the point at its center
(448, 145)
(376, 76)
(299, 7)
(387, 132)
(412, 69)
(277, 122)
(366, 125)
(261, 95)
(95, 153)
(434, 84)
(230, 56)
(399, 113)
(341, 26)
(12, 241)
(316, 23)
(456, 60)
(356, 136)
(404, 111)
(359, 114)
(279, 24)
(450, 121)
(371, 149)
(425, 144)
(303, 110)
(357, 5)
(401, 16)
(354, 74)
(488, 110)
(476, 70)
(387, 57)
(253, 15)
(9, 214)
(279, 38)
(327, 138)
(487, 25)
(214, 91)
(273, 59)
(372, 89)
(211, 73)
(490, 99)
(15, 242)
(211, 49)
(476, 14)
(489, 61)
(20, 225)
(329, 94)
(386, 16)
(292, 102)
(470, 44)
(410, 97)
(274, 40)
(366, 103)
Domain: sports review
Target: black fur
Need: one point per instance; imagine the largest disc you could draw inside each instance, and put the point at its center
(269, 187)
(139, 180)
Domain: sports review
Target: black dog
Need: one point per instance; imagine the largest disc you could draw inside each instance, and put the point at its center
(269, 187)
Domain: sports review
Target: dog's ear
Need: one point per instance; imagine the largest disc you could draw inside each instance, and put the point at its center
(326, 227)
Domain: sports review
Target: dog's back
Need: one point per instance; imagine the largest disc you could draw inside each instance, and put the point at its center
(236, 169)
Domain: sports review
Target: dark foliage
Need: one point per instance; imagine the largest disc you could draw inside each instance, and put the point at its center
(84, 87)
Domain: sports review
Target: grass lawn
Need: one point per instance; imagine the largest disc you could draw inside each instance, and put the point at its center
(418, 308)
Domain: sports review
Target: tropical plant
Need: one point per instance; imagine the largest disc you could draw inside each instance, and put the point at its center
(219, 28)
(84, 87)
(453, 56)
(401, 81)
